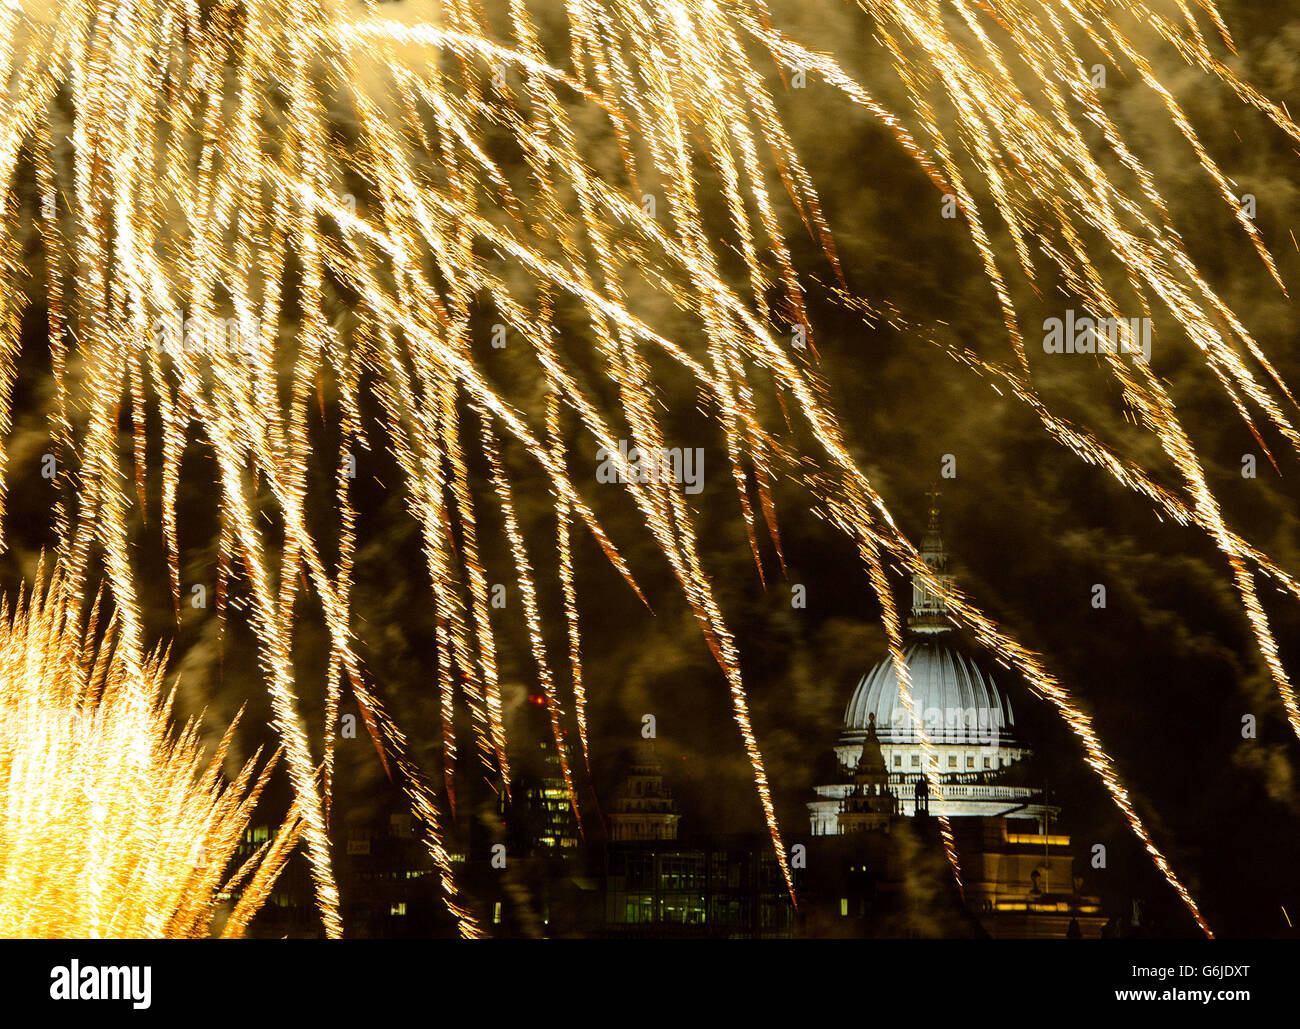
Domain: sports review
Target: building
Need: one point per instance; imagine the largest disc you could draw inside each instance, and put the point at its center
(388, 884)
(1018, 877)
(643, 808)
(727, 886)
(543, 820)
(966, 718)
(1021, 885)
(870, 804)
(656, 884)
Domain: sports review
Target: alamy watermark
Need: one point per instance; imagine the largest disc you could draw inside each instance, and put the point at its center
(1085, 335)
(969, 725)
(75, 981)
(174, 334)
(44, 722)
(652, 464)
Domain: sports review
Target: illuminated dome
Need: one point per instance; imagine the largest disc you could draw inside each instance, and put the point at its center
(950, 695)
(968, 722)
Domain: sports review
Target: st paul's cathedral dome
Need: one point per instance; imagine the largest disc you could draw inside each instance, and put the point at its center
(966, 717)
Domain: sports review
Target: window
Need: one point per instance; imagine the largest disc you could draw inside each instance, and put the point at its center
(952, 760)
(988, 763)
(970, 760)
(898, 760)
(916, 760)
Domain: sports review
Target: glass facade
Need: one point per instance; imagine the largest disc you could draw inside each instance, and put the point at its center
(701, 890)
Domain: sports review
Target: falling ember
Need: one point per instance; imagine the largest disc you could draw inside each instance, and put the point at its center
(202, 184)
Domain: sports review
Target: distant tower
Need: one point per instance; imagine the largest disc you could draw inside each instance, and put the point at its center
(644, 808)
(870, 804)
(544, 819)
(929, 612)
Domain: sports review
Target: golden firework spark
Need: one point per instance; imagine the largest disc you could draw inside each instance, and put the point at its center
(221, 159)
(111, 824)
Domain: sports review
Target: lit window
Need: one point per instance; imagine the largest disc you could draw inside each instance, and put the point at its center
(844, 906)
(496, 913)
(398, 909)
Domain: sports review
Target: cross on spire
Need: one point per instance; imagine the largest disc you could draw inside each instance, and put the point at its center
(933, 494)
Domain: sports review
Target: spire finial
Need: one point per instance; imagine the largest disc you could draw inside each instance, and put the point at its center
(933, 494)
(929, 611)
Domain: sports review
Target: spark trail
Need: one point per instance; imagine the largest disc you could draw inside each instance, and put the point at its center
(112, 824)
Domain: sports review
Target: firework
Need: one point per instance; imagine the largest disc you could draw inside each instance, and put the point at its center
(112, 825)
(202, 177)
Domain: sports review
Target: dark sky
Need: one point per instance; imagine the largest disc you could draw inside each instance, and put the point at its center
(1168, 669)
